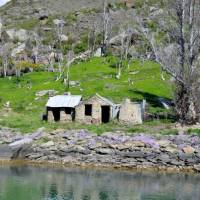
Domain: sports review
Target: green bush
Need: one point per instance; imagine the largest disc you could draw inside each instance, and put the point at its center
(81, 46)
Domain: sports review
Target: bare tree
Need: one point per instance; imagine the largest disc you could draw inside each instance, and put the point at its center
(59, 55)
(92, 36)
(35, 50)
(125, 43)
(70, 57)
(178, 54)
(5, 54)
(106, 27)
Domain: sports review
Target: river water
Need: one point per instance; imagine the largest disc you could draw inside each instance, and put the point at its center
(33, 183)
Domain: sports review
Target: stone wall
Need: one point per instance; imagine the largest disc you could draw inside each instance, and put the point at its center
(79, 147)
(130, 113)
(50, 116)
(64, 117)
(96, 111)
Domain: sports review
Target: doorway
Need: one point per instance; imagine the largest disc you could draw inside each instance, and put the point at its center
(56, 114)
(105, 114)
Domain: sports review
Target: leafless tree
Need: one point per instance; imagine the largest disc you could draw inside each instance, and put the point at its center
(59, 54)
(35, 50)
(178, 54)
(92, 36)
(106, 27)
(5, 54)
(69, 57)
(125, 43)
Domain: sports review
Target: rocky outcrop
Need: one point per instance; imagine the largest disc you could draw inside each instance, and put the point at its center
(19, 35)
(178, 152)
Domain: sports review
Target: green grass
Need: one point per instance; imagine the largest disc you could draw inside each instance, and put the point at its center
(96, 76)
(194, 131)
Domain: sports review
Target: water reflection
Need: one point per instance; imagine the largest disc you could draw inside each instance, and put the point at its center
(29, 183)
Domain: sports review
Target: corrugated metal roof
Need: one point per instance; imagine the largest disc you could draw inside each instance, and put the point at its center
(64, 101)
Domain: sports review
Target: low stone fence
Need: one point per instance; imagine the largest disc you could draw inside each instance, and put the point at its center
(79, 147)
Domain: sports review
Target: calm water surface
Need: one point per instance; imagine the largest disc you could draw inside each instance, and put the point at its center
(29, 183)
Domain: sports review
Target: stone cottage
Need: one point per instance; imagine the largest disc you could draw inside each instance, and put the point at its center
(131, 113)
(62, 107)
(96, 110)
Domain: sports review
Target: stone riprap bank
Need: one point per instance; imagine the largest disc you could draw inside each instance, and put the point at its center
(79, 147)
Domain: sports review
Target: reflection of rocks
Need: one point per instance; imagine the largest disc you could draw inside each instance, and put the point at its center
(111, 149)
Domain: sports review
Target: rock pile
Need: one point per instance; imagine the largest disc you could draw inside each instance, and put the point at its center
(180, 152)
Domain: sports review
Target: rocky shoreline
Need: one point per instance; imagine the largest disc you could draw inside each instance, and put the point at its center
(174, 153)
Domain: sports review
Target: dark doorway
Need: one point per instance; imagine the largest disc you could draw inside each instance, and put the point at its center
(56, 114)
(70, 111)
(105, 114)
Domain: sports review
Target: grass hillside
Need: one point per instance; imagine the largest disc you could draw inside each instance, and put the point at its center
(95, 76)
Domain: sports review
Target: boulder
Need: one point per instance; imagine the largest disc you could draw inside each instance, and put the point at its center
(5, 152)
(197, 167)
(171, 149)
(22, 152)
(134, 144)
(188, 150)
(48, 144)
(59, 22)
(135, 154)
(10, 34)
(21, 143)
(64, 38)
(183, 156)
(74, 83)
(46, 92)
(104, 151)
(20, 48)
(98, 53)
(20, 35)
(163, 143)
(163, 158)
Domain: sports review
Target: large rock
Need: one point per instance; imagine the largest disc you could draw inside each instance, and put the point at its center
(74, 83)
(11, 34)
(104, 151)
(163, 158)
(64, 38)
(135, 154)
(59, 22)
(188, 150)
(22, 152)
(98, 53)
(20, 48)
(20, 35)
(48, 144)
(46, 92)
(163, 143)
(171, 149)
(5, 152)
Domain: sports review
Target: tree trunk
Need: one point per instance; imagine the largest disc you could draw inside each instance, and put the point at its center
(184, 104)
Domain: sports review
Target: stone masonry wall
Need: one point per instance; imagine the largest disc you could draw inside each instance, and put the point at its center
(130, 113)
(96, 111)
(79, 147)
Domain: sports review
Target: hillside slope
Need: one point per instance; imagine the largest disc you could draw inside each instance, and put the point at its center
(94, 76)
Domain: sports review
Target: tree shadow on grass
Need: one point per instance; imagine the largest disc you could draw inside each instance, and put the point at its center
(159, 111)
(153, 100)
